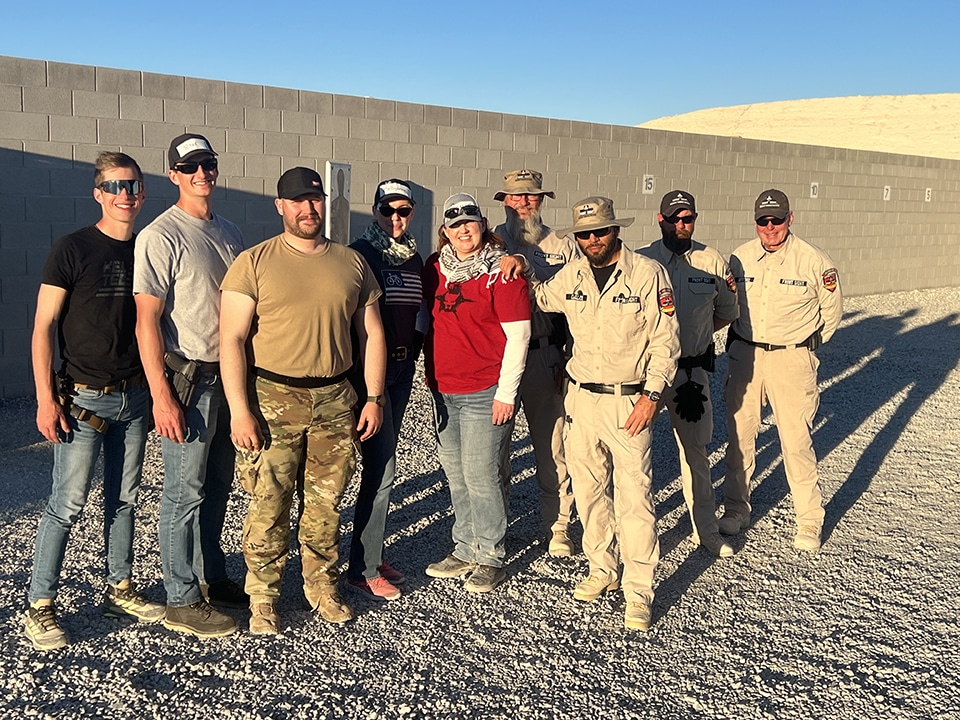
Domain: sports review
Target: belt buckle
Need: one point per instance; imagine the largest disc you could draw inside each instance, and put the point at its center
(399, 354)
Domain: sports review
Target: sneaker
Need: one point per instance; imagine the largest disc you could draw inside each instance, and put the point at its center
(807, 538)
(226, 593)
(593, 586)
(715, 545)
(560, 545)
(389, 573)
(637, 616)
(450, 567)
(127, 602)
(41, 627)
(485, 578)
(328, 604)
(264, 619)
(732, 523)
(378, 587)
(200, 619)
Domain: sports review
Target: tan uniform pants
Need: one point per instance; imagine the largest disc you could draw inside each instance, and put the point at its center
(611, 474)
(788, 379)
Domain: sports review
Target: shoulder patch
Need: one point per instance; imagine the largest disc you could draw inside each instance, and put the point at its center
(731, 283)
(665, 300)
(830, 279)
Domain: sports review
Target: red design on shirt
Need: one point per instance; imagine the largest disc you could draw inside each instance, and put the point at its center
(830, 279)
(665, 299)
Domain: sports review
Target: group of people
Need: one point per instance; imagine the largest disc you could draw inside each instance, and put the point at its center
(284, 362)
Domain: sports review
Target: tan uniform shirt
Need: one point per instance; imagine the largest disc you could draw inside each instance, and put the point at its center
(305, 305)
(546, 258)
(626, 334)
(785, 296)
(703, 287)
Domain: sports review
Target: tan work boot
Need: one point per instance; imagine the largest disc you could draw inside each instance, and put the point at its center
(807, 538)
(637, 616)
(593, 586)
(327, 603)
(560, 545)
(263, 618)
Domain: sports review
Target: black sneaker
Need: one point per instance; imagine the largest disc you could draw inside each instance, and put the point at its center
(200, 619)
(226, 593)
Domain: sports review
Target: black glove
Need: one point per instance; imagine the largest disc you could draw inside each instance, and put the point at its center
(417, 345)
(690, 400)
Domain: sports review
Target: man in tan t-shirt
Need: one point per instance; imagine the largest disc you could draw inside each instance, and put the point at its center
(286, 310)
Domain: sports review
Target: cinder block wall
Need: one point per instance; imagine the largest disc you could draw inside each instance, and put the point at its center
(55, 118)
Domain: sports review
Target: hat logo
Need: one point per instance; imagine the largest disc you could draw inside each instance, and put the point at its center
(315, 183)
(678, 199)
(587, 210)
(524, 175)
(769, 202)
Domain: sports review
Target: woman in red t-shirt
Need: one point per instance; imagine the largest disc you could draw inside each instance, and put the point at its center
(474, 357)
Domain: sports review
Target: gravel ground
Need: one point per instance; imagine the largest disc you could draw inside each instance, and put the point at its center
(864, 628)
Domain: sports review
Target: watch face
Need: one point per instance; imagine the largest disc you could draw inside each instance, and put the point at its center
(653, 395)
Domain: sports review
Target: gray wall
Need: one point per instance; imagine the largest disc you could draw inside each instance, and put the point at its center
(55, 118)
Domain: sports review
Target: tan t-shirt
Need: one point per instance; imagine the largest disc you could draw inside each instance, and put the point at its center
(305, 305)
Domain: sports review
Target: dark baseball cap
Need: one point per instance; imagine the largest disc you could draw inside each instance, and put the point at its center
(393, 189)
(675, 201)
(771, 203)
(299, 181)
(187, 146)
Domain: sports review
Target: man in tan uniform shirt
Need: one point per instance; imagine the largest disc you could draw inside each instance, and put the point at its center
(540, 388)
(620, 310)
(706, 299)
(790, 303)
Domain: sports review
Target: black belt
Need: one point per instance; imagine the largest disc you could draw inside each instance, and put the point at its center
(705, 360)
(604, 389)
(399, 354)
(299, 382)
(544, 342)
(812, 342)
(121, 386)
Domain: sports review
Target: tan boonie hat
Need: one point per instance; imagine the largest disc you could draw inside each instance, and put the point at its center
(523, 182)
(594, 213)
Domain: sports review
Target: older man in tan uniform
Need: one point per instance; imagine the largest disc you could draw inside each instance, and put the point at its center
(790, 303)
(546, 252)
(706, 299)
(620, 310)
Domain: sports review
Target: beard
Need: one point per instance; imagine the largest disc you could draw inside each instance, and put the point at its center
(601, 256)
(528, 231)
(295, 226)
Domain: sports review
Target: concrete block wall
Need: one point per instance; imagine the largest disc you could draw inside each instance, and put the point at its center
(890, 222)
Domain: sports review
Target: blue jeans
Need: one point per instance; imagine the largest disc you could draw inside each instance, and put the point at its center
(74, 460)
(378, 474)
(197, 476)
(469, 446)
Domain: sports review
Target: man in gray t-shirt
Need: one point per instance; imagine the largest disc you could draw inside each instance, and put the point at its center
(180, 259)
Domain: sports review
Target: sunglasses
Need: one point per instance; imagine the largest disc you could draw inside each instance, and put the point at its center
(599, 233)
(687, 220)
(388, 211)
(189, 168)
(115, 187)
(763, 222)
(453, 212)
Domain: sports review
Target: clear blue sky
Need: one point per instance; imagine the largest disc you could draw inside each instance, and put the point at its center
(610, 62)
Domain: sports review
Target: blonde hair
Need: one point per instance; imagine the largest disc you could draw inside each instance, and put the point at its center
(108, 160)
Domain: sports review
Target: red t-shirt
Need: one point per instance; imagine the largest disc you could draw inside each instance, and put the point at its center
(464, 348)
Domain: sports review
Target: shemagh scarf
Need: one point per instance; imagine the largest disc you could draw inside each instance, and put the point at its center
(394, 252)
(485, 262)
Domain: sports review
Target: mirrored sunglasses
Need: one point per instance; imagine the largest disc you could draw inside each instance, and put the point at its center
(462, 210)
(115, 187)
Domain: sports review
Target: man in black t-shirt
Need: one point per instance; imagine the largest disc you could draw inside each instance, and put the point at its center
(98, 398)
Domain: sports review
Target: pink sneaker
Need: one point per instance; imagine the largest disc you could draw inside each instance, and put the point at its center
(391, 574)
(377, 587)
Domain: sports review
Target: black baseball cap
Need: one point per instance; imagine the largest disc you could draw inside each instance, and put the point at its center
(299, 181)
(675, 201)
(771, 203)
(187, 146)
(393, 189)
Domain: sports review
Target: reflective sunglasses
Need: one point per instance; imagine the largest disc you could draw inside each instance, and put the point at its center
(115, 187)
(599, 233)
(688, 220)
(189, 168)
(388, 211)
(462, 210)
(763, 222)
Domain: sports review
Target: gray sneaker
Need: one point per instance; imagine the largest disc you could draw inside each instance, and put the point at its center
(41, 627)
(127, 602)
(200, 619)
(450, 567)
(485, 578)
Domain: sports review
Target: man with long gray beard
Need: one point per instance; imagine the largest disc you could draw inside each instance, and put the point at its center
(540, 388)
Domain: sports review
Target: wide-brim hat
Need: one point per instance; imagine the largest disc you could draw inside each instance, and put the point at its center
(593, 213)
(523, 182)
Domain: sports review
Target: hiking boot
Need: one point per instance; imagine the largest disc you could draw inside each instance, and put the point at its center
(807, 538)
(200, 619)
(41, 627)
(378, 587)
(485, 578)
(593, 586)
(732, 523)
(637, 616)
(226, 593)
(560, 545)
(264, 619)
(389, 573)
(328, 604)
(715, 545)
(450, 567)
(127, 602)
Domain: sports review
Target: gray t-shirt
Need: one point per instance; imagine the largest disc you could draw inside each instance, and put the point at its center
(182, 260)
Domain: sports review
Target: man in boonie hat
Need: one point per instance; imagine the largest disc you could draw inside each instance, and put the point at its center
(546, 252)
(619, 306)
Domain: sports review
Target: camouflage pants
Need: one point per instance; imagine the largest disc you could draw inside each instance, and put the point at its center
(309, 446)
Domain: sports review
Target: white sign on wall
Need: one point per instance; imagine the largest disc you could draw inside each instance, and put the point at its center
(814, 190)
(648, 185)
(928, 195)
(886, 192)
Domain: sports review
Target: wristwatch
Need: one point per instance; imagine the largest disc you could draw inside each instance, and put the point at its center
(378, 400)
(652, 394)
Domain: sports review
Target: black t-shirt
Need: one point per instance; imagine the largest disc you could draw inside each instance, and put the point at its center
(402, 294)
(97, 325)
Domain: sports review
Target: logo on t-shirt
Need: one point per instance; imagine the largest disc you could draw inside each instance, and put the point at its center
(451, 298)
(401, 287)
(117, 280)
